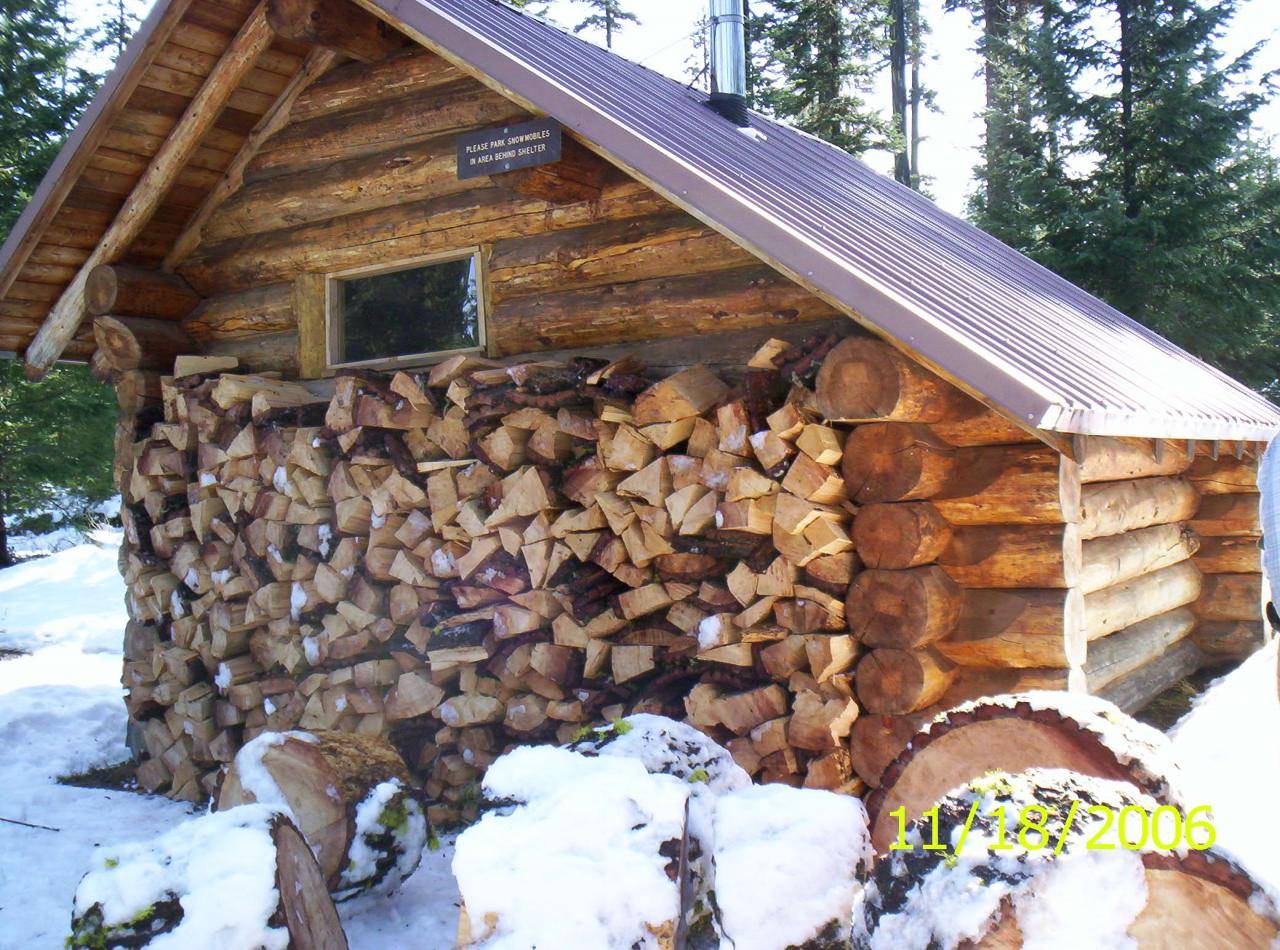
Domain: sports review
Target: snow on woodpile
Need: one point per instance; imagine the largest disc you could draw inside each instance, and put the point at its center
(210, 882)
(786, 865)
(390, 835)
(594, 844)
(986, 874)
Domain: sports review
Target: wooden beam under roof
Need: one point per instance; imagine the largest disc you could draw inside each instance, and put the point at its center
(61, 324)
(314, 66)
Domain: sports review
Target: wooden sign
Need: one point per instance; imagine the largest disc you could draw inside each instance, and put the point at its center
(508, 147)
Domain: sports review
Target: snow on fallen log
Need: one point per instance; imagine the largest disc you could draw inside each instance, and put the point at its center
(239, 878)
(349, 795)
(585, 853)
(646, 833)
(787, 862)
(1095, 888)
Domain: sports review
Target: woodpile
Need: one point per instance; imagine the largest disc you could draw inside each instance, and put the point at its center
(485, 556)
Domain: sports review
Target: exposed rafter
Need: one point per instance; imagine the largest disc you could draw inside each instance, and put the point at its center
(65, 318)
(314, 66)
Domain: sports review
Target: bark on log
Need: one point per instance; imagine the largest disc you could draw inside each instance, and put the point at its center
(1116, 507)
(1120, 653)
(1229, 556)
(865, 379)
(140, 343)
(1136, 689)
(324, 781)
(1230, 597)
(403, 73)
(1230, 640)
(123, 290)
(1005, 736)
(1123, 605)
(894, 682)
(255, 311)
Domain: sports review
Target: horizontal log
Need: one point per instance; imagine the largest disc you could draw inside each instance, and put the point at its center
(998, 484)
(1225, 475)
(258, 310)
(401, 232)
(1123, 557)
(1021, 629)
(1011, 556)
(1230, 597)
(1106, 459)
(1228, 516)
(726, 353)
(380, 124)
(140, 342)
(614, 252)
(260, 353)
(122, 290)
(1126, 650)
(902, 609)
(404, 173)
(900, 535)
(894, 682)
(1116, 507)
(743, 298)
(1229, 556)
(865, 379)
(336, 25)
(1135, 690)
(412, 70)
(1123, 605)
(1230, 640)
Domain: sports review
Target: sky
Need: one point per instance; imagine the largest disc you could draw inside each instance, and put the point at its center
(663, 41)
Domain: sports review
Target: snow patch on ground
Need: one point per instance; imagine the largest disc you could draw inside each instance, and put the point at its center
(1229, 748)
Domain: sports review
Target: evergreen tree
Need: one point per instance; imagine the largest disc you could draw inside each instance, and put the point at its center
(608, 16)
(118, 21)
(823, 56)
(40, 94)
(55, 441)
(55, 436)
(1122, 160)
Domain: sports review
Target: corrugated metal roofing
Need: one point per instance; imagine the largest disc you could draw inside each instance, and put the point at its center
(1005, 327)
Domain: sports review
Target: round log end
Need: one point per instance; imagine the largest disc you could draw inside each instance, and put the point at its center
(903, 609)
(899, 536)
(895, 461)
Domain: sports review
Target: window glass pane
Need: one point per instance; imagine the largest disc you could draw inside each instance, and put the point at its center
(419, 310)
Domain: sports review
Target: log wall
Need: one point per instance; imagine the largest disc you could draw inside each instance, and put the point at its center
(364, 174)
(997, 564)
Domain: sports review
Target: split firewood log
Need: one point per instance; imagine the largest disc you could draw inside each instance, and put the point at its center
(1017, 732)
(351, 798)
(1137, 892)
(267, 891)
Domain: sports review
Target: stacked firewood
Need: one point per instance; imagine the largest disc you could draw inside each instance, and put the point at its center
(488, 555)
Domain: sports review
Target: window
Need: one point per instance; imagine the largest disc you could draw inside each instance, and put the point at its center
(406, 314)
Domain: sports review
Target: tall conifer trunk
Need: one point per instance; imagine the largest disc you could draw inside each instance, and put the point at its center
(898, 82)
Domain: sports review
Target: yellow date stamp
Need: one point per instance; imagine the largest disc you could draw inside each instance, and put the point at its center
(1101, 828)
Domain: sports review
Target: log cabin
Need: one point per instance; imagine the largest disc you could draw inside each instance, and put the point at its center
(478, 384)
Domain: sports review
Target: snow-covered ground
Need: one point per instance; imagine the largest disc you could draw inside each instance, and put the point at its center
(61, 712)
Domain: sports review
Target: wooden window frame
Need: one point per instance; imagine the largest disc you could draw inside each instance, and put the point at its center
(333, 317)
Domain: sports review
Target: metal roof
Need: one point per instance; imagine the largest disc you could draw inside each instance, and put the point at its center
(1001, 325)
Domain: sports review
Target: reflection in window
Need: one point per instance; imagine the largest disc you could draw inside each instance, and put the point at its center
(425, 309)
